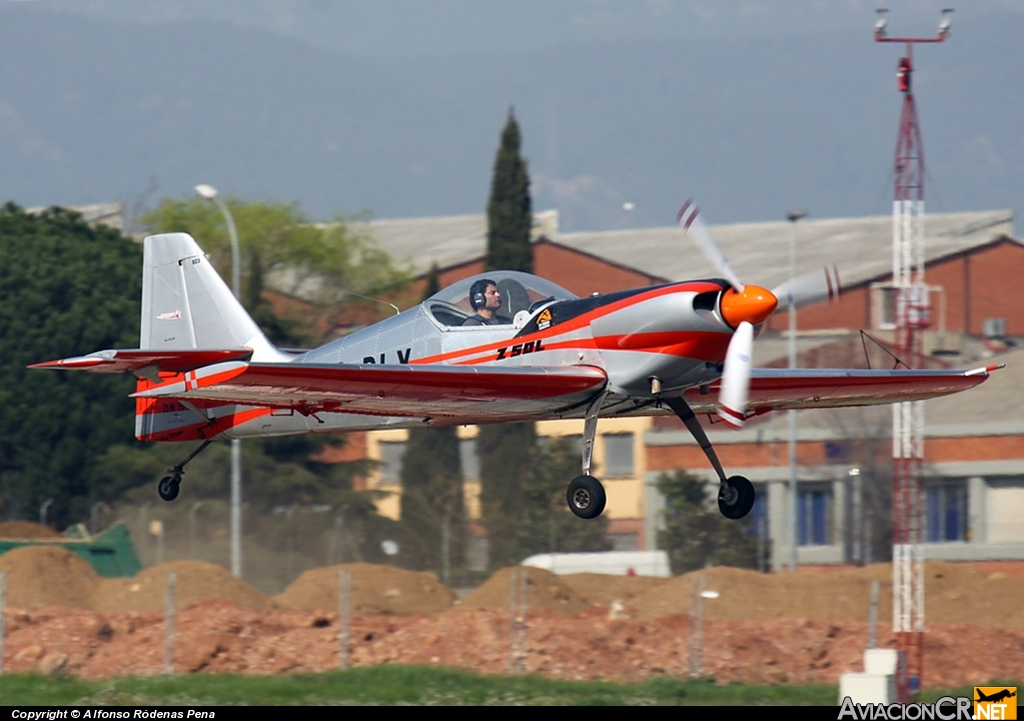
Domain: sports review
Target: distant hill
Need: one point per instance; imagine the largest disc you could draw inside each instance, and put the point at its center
(90, 111)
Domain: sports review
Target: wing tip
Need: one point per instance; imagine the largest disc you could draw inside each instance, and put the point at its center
(984, 371)
(733, 419)
(71, 363)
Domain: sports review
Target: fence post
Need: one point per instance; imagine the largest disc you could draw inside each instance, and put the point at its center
(520, 662)
(695, 628)
(873, 617)
(3, 616)
(169, 619)
(344, 617)
(512, 620)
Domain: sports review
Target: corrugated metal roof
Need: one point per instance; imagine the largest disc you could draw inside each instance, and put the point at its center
(447, 240)
(759, 252)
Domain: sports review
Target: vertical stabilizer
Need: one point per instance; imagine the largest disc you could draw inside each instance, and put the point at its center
(186, 304)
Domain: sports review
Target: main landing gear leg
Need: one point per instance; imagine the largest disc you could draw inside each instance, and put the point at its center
(585, 494)
(170, 486)
(735, 494)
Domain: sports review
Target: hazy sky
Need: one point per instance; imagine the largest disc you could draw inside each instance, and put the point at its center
(396, 106)
(442, 26)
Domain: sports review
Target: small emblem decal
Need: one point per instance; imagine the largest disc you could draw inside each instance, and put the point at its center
(544, 319)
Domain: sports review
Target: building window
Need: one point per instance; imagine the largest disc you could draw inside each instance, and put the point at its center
(884, 304)
(469, 459)
(391, 453)
(618, 455)
(883, 307)
(838, 452)
(945, 507)
(758, 524)
(814, 516)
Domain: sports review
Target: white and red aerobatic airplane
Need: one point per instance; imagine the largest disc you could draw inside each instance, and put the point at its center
(207, 372)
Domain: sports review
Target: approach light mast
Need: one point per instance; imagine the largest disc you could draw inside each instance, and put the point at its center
(911, 316)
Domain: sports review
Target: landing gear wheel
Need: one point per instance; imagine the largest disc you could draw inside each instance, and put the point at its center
(169, 487)
(736, 497)
(585, 496)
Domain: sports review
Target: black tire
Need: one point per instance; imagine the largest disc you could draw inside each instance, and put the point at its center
(169, 487)
(585, 496)
(736, 497)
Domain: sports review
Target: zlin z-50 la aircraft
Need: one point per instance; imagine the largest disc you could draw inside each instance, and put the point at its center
(205, 371)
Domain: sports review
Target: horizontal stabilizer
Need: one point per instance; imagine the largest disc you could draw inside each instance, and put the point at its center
(130, 361)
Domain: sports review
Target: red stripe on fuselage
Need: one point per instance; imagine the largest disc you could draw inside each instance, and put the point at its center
(698, 345)
(581, 321)
(199, 430)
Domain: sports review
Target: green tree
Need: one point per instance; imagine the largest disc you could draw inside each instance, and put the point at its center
(546, 524)
(66, 289)
(505, 450)
(696, 535)
(324, 263)
(509, 212)
(432, 506)
(505, 453)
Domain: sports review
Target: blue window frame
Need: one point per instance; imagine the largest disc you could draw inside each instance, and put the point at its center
(758, 526)
(814, 516)
(945, 506)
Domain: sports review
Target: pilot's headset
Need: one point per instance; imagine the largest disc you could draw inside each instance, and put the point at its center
(476, 293)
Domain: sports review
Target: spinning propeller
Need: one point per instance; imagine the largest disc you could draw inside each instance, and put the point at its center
(745, 306)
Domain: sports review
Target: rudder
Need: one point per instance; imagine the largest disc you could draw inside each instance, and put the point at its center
(186, 304)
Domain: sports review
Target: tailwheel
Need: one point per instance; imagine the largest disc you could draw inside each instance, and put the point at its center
(169, 487)
(585, 496)
(736, 497)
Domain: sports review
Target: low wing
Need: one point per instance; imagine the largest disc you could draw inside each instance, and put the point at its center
(461, 394)
(784, 388)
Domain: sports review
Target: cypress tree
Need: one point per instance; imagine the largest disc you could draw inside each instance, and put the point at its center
(506, 451)
(509, 214)
(432, 504)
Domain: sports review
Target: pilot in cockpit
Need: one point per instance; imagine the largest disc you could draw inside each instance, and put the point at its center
(485, 298)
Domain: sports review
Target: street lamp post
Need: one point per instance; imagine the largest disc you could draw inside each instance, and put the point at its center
(793, 216)
(210, 193)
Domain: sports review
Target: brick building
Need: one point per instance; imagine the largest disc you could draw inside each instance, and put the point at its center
(974, 452)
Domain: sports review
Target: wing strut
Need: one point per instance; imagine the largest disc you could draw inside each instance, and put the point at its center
(590, 430)
(585, 495)
(682, 409)
(735, 494)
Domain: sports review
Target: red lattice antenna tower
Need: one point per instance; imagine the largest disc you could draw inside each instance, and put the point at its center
(911, 315)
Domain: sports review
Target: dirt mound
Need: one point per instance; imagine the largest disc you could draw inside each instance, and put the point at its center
(546, 591)
(376, 591)
(963, 593)
(26, 529)
(39, 576)
(196, 581)
(954, 593)
(599, 589)
(843, 595)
